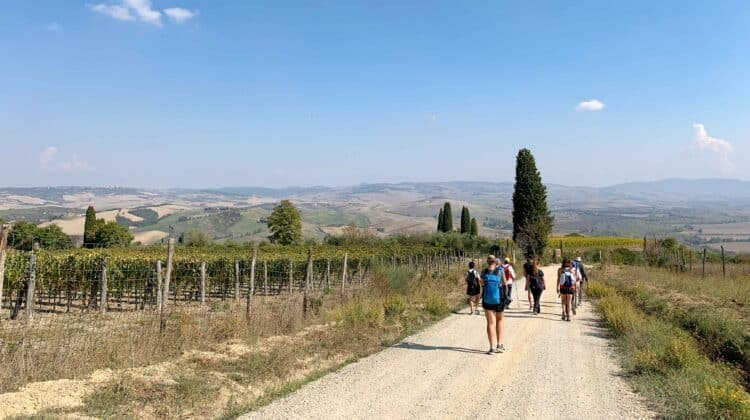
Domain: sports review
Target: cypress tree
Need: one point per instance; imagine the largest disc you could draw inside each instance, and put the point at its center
(441, 223)
(89, 228)
(474, 227)
(447, 218)
(532, 220)
(465, 220)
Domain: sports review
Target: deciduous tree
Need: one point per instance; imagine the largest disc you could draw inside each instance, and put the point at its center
(285, 224)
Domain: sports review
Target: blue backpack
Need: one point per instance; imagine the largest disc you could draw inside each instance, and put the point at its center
(491, 294)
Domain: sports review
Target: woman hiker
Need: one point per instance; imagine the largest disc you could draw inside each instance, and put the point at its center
(493, 279)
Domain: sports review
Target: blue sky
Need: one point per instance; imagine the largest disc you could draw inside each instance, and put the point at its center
(187, 93)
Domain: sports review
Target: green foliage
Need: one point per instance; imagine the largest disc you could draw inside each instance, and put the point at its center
(360, 313)
(111, 234)
(436, 304)
(474, 227)
(394, 305)
(447, 217)
(285, 224)
(89, 228)
(619, 314)
(441, 221)
(23, 235)
(532, 220)
(195, 238)
(465, 220)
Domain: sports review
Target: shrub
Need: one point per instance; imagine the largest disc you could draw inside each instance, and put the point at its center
(598, 290)
(725, 402)
(360, 314)
(436, 304)
(394, 306)
(619, 314)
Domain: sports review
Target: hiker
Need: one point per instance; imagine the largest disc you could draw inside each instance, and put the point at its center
(575, 270)
(566, 287)
(528, 272)
(535, 285)
(583, 277)
(492, 280)
(510, 275)
(473, 289)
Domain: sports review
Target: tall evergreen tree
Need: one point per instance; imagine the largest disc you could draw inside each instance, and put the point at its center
(447, 218)
(474, 228)
(89, 228)
(532, 220)
(465, 220)
(441, 221)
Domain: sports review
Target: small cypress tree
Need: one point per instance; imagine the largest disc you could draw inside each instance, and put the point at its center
(89, 228)
(447, 218)
(532, 220)
(441, 221)
(474, 227)
(465, 220)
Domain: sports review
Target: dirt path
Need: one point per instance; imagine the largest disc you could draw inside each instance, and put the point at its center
(552, 369)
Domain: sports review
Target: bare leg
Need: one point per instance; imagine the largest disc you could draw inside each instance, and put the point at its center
(491, 327)
(499, 327)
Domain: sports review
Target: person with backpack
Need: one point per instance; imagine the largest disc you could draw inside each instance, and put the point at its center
(576, 271)
(566, 287)
(583, 277)
(473, 289)
(510, 275)
(528, 272)
(493, 303)
(536, 285)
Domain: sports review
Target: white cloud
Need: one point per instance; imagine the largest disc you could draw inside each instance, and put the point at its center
(704, 142)
(115, 11)
(179, 14)
(144, 11)
(141, 10)
(50, 162)
(52, 27)
(592, 105)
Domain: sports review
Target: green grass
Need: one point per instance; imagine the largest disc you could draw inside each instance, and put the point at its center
(679, 367)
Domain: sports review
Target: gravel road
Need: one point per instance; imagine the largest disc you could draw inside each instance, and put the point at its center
(552, 369)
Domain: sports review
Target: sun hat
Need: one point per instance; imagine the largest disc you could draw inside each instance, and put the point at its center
(507, 260)
(492, 257)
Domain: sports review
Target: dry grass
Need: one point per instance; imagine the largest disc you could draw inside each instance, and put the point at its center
(214, 361)
(685, 349)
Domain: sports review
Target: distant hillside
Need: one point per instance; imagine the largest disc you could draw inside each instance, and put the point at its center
(699, 211)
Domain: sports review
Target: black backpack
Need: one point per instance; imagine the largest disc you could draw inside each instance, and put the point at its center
(472, 281)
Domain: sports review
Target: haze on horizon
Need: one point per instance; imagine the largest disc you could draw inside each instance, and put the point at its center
(194, 93)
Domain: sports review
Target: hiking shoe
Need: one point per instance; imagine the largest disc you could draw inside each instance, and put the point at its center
(477, 312)
(574, 311)
(491, 351)
(500, 348)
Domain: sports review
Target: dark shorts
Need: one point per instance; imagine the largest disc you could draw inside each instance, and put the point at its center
(500, 307)
(568, 291)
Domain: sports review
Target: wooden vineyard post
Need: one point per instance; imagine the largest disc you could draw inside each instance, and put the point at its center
(203, 283)
(291, 275)
(3, 254)
(159, 286)
(308, 279)
(343, 273)
(265, 278)
(723, 262)
(103, 287)
(704, 263)
(31, 287)
(360, 274)
(251, 291)
(237, 280)
(690, 259)
(167, 280)
(328, 274)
